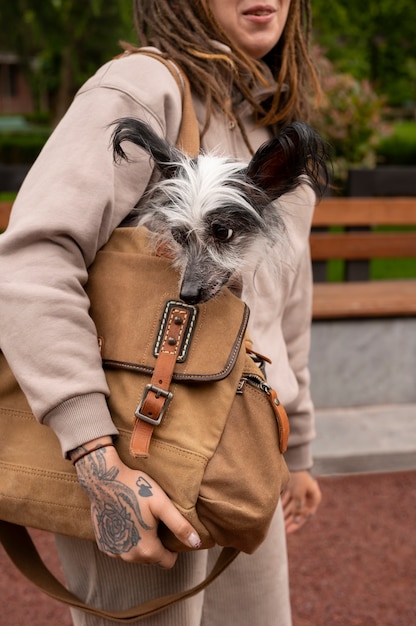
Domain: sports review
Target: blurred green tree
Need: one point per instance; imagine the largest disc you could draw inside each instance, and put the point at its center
(350, 119)
(373, 40)
(62, 42)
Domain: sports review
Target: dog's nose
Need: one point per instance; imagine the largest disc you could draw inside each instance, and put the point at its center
(190, 297)
(190, 292)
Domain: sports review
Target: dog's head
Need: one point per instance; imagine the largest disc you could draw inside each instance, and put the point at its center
(217, 216)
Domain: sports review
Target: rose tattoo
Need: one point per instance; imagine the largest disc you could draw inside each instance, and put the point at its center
(115, 509)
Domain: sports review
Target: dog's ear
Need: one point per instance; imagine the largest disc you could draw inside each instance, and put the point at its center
(166, 157)
(298, 154)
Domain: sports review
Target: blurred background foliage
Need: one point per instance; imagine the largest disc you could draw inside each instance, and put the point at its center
(365, 51)
(373, 40)
(62, 42)
(350, 118)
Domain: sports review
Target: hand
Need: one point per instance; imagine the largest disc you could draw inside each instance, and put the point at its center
(300, 500)
(126, 506)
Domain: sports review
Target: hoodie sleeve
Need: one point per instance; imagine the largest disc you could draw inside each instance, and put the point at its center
(71, 201)
(280, 322)
(296, 325)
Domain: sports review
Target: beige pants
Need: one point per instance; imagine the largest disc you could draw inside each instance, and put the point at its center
(253, 591)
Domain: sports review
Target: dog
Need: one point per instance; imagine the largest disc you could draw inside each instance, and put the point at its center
(216, 216)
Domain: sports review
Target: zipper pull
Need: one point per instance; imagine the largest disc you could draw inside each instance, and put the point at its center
(282, 419)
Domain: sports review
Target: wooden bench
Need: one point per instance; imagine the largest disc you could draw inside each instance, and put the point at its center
(358, 242)
(354, 299)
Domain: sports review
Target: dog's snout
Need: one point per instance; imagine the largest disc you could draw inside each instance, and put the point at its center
(190, 295)
(191, 290)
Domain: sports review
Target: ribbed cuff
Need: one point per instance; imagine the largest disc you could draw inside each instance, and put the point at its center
(79, 420)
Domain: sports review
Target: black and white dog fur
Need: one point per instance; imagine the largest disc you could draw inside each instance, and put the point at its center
(217, 216)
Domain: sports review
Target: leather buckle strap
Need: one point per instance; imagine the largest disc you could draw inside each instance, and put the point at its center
(172, 344)
(159, 393)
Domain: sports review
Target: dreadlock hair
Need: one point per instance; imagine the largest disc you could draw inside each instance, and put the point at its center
(187, 32)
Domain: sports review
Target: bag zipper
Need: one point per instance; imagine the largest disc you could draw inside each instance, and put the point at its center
(255, 381)
(279, 410)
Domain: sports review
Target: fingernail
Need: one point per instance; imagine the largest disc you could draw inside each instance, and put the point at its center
(194, 541)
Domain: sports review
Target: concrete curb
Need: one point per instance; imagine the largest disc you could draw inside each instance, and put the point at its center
(365, 439)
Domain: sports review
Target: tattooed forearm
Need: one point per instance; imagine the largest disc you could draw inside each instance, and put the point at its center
(115, 508)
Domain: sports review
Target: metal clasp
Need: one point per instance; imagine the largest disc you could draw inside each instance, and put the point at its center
(159, 393)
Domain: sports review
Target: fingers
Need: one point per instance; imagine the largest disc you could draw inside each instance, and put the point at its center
(296, 514)
(126, 518)
(300, 501)
(126, 506)
(151, 551)
(164, 510)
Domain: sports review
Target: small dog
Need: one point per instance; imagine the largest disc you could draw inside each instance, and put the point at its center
(217, 216)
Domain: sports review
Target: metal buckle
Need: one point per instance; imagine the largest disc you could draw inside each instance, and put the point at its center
(159, 393)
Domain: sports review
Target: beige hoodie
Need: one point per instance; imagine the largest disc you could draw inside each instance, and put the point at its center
(72, 199)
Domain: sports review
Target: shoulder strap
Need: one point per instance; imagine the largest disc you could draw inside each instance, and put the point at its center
(19, 546)
(188, 137)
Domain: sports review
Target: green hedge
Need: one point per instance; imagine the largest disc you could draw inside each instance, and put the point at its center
(400, 147)
(22, 137)
(22, 146)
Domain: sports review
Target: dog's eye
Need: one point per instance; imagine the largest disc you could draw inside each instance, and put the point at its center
(222, 233)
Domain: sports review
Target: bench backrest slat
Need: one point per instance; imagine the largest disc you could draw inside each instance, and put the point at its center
(365, 212)
(380, 298)
(362, 245)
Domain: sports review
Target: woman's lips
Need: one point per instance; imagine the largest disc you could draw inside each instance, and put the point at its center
(260, 13)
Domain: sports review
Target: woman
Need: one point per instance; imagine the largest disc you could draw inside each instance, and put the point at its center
(249, 71)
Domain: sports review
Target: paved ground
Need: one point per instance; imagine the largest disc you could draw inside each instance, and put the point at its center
(354, 565)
